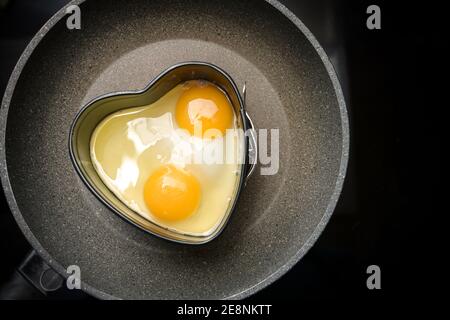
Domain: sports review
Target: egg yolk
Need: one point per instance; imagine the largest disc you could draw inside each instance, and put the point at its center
(171, 193)
(202, 107)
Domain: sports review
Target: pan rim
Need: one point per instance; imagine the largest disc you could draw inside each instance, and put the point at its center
(244, 293)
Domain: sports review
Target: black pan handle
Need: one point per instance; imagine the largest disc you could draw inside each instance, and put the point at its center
(34, 279)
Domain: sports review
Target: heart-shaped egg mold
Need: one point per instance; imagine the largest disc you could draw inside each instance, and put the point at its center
(95, 111)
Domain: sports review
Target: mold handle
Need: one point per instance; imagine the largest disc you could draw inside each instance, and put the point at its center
(252, 155)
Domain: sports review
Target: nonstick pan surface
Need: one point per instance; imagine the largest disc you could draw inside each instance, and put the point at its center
(122, 46)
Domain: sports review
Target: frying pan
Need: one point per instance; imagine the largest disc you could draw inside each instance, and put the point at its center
(291, 86)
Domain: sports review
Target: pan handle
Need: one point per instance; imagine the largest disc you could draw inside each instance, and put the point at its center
(34, 279)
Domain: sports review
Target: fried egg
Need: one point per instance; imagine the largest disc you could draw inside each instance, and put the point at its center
(175, 162)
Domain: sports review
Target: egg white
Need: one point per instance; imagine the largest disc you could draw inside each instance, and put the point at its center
(127, 146)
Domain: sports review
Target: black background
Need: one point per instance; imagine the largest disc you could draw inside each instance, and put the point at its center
(394, 80)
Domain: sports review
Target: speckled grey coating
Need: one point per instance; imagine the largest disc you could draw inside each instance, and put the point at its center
(291, 85)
